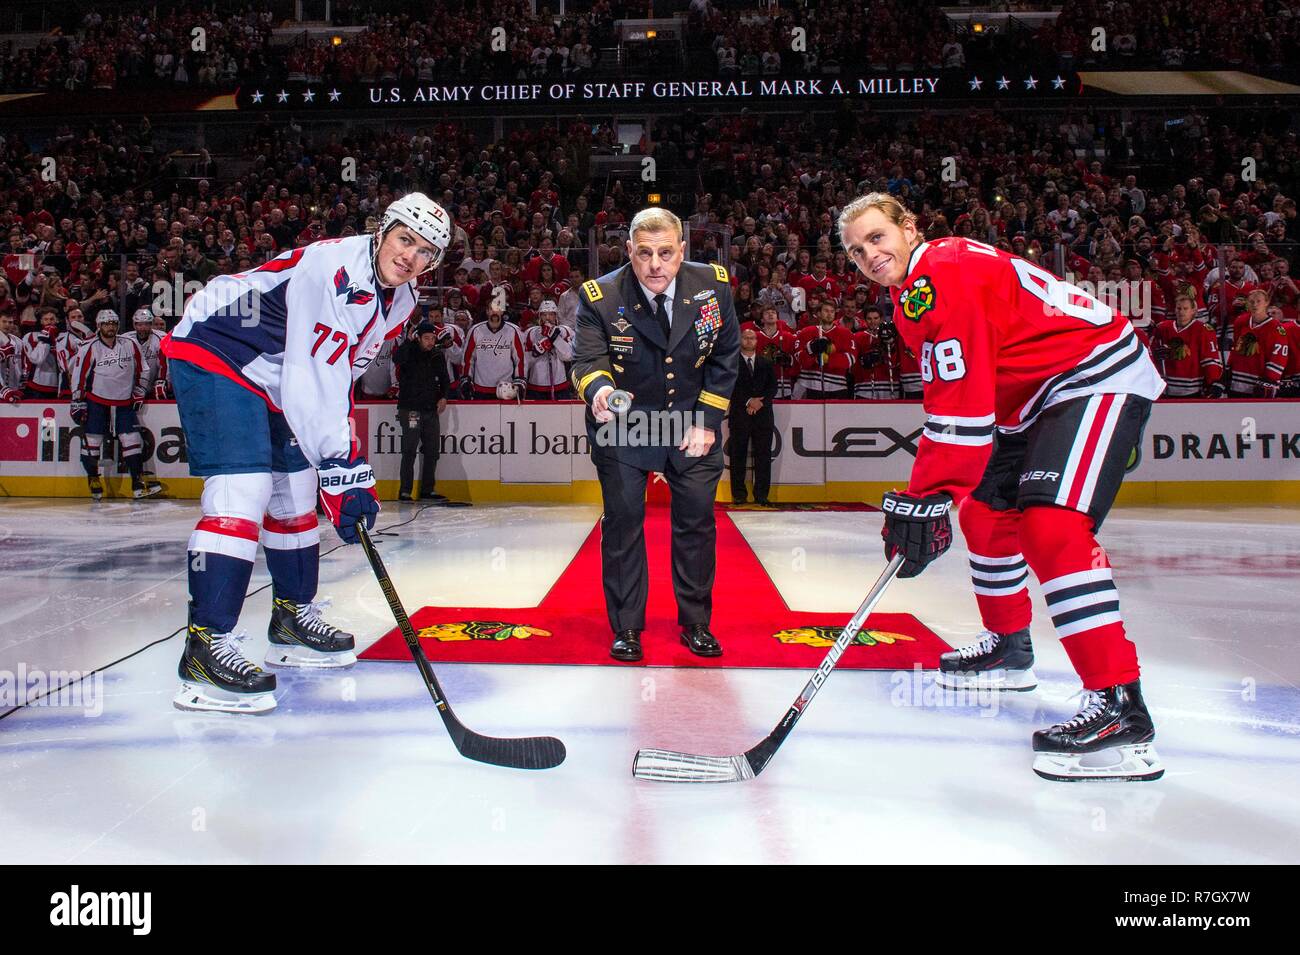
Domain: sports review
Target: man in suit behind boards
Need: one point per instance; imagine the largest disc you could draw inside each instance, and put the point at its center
(750, 420)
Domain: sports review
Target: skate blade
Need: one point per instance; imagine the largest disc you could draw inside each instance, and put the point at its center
(200, 698)
(302, 658)
(1137, 762)
(1012, 681)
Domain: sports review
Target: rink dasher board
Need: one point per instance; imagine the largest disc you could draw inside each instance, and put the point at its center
(1193, 451)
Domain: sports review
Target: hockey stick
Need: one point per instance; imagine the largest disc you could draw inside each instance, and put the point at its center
(669, 767)
(534, 752)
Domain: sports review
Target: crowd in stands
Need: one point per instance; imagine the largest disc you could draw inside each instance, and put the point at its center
(148, 44)
(1081, 193)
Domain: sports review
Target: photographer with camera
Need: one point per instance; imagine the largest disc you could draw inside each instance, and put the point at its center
(423, 386)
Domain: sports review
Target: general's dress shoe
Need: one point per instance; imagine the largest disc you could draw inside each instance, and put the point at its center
(626, 646)
(699, 641)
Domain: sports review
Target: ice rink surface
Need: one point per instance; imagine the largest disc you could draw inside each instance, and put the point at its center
(354, 765)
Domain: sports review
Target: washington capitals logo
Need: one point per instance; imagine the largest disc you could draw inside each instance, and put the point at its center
(345, 286)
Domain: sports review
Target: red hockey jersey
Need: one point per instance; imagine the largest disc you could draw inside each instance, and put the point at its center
(826, 357)
(1260, 353)
(999, 339)
(879, 379)
(780, 349)
(1191, 361)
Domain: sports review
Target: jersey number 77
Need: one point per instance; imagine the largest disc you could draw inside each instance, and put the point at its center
(323, 331)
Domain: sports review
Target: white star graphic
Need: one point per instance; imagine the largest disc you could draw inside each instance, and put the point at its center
(1031, 83)
(1003, 83)
(257, 96)
(308, 96)
(1058, 84)
(976, 82)
(334, 96)
(282, 96)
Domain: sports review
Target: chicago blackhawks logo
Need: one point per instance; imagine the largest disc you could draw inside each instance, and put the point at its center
(480, 630)
(918, 298)
(825, 636)
(1247, 345)
(345, 286)
(1177, 349)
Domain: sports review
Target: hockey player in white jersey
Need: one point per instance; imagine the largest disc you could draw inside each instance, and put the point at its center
(379, 380)
(107, 375)
(155, 362)
(11, 361)
(262, 365)
(41, 366)
(494, 355)
(548, 345)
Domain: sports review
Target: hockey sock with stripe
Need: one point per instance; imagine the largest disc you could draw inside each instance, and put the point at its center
(1075, 575)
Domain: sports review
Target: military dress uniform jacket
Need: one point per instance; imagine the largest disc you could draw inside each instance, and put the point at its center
(620, 343)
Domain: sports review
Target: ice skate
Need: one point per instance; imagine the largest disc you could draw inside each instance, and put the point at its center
(140, 490)
(301, 638)
(1110, 738)
(96, 487)
(216, 676)
(998, 661)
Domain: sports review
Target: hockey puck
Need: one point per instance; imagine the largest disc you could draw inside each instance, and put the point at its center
(619, 401)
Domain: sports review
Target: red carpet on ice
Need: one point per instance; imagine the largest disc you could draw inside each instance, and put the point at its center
(750, 620)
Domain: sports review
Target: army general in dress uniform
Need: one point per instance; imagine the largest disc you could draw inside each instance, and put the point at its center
(665, 331)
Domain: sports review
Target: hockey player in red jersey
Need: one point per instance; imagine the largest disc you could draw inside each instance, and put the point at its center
(1035, 397)
(778, 345)
(1189, 353)
(876, 375)
(1290, 384)
(1260, 351)
(826, 357)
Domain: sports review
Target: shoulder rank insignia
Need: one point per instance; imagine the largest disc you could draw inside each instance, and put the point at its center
(592, 288)
(918, 298)
(720, 272)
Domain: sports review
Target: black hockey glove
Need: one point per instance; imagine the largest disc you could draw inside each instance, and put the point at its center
(78, 411)
(466, 389)
(1214, 390)
(917, 527)
(869, 359)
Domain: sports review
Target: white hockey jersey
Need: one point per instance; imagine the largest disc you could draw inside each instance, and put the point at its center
(155, 362)
(108, 374)
(380, 376)
(41, 365)
(492, 357)
(11, 362)
(454, 352)
(297, 331)
(545, 352)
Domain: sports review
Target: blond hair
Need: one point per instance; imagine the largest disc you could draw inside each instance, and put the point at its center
(891, 208)
(654, 219)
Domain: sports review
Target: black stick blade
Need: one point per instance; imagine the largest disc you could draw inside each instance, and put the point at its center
(529, 752)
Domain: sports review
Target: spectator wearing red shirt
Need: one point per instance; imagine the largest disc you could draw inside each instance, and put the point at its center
(546, 254)
(820, 281)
